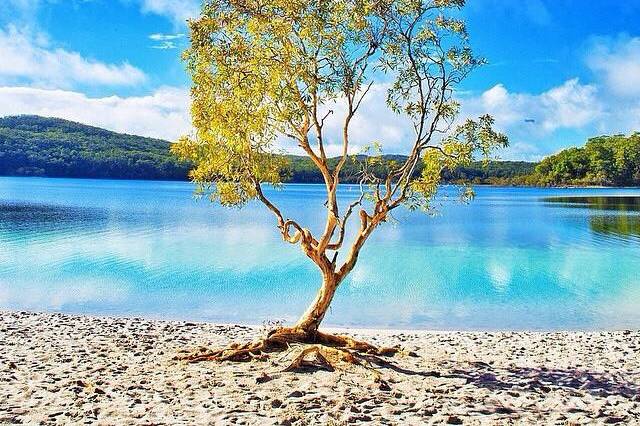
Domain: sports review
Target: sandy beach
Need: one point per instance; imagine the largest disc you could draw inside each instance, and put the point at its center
(62, 369)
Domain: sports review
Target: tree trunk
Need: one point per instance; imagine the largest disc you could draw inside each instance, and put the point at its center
(311, 319)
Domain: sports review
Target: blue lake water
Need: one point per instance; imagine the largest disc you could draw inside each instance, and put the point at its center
(515, 258)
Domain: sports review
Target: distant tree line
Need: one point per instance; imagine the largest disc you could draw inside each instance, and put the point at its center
(604, 160)
(52, 147)
(302, 169)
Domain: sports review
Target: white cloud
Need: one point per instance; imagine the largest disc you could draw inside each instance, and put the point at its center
(374, 122)
(539, 123)
(163, 114)
(165, 37)
(532, 121)
(165, 41)
(28, 58)
(569, 105)
(176, 10)
(165, 45)
(617, 63)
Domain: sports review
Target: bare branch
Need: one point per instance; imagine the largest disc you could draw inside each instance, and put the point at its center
(343, 224)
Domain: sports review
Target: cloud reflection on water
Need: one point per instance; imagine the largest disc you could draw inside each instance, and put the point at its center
(146, 248)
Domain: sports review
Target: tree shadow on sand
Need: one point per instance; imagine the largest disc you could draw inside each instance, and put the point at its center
(540, 379)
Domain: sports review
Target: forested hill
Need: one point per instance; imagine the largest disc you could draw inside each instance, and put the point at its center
(37, 146)
(604, 160)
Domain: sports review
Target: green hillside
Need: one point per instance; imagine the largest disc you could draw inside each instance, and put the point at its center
(52, 147)
(37, 146)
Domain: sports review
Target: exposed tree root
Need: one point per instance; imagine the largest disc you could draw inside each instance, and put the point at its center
(312, 358)
(326, 351)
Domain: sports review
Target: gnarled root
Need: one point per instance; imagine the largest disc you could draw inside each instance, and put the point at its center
(346, 342)
(341, 348)
(313, 358)
(320, 357)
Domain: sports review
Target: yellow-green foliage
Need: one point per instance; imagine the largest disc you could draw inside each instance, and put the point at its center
(253, 71)
(262, 68)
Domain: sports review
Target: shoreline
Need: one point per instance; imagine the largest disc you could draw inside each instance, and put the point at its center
(58, 369)
(445, 184)
(361, 330)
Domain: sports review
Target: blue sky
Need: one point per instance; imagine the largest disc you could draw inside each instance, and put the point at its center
(572, 67)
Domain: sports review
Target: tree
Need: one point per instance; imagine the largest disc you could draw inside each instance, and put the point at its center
(265, 70)
(604, 160)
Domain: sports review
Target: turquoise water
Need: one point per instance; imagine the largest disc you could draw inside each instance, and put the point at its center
(515, 258)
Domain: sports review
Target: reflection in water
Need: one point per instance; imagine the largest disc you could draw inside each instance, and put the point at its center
(625, 226)
(20, 214)
(134, 248)
(624, 223)
(44, 217)
(618, 203)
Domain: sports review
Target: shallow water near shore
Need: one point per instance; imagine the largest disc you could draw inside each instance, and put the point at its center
(514, 258)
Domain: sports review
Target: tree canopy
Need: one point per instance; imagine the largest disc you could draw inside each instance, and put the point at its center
(264, 70)
(604, 160)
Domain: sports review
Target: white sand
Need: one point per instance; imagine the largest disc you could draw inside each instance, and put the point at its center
(60, 369)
